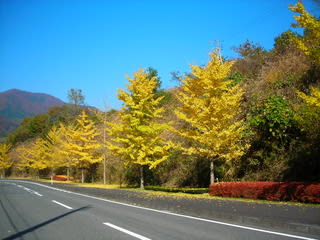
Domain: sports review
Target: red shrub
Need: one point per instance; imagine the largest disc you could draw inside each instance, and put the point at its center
(284, 191)
(61, 178)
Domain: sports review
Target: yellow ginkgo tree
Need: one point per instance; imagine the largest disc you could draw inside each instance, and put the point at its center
(209, 107)
(33, 156)
(310, 42)
(136, 138)
(53, 144)
(66, 135)
(313, 99)
(309, 113)
(82, 144)
(5, 161)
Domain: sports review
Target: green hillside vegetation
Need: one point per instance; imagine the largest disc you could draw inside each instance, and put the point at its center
(277, 122)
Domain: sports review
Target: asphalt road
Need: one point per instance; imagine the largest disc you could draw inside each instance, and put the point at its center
(35, 211)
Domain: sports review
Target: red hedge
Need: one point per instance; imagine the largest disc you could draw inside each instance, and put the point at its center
(61, 178)
(277, 191)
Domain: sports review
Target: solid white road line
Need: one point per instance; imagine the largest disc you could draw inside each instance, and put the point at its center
(127, 231)
(61, 204)
(176, 214)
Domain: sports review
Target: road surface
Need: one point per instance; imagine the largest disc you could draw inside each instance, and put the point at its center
(34, 211)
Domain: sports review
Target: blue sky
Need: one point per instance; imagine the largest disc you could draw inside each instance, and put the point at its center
(51, 46)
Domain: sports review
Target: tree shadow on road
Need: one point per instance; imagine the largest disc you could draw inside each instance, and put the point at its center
(31, 229)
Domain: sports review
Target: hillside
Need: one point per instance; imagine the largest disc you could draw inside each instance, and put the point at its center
(278, 115)
(17, 104)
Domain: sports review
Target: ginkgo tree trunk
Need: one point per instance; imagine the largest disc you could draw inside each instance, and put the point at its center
(209, 106)
(82, 143)
(136, 139)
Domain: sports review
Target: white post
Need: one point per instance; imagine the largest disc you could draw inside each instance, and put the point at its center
(211, 172)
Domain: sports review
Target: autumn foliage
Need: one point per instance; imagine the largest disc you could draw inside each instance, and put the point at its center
(210, 106)
(275, 191)
(137, 137)
(309, 43)
(254, 118)
(61, 178)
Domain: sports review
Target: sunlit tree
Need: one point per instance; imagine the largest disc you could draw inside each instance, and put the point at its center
(65, 144)
(76, 99)
(33, 156)
(81, 143)
(210, 106)
(53, 144)
(310, 42)
(5, 161)
(308, 114)
(313, 99)
(136, 139)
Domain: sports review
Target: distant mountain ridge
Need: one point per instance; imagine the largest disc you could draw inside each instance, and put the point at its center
(17, 104)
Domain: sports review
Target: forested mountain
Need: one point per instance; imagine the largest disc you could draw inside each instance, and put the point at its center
(16, 104)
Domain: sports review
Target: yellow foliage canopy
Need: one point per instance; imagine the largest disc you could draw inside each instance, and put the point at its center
(33, 156)
(210, 106)
(81, 144)
(137, 138)
(313, 99)
(4, 157)
(54, 148)
(310, 42)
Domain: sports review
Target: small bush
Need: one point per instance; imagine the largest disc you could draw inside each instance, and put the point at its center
(61, 178)
(275, 191)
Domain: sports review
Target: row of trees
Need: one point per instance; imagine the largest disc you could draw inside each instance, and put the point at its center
(227, 112)
(210, 105)
(73, 145)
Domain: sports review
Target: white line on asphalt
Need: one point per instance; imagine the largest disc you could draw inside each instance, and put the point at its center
(127, 231)
(38, 194)
(61, 204)
(175, 214)
(29, 190)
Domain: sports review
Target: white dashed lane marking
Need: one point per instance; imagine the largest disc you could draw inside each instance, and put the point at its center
(61, 204)
(126, 231)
